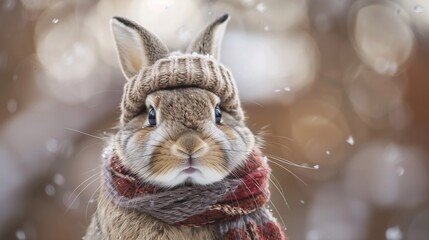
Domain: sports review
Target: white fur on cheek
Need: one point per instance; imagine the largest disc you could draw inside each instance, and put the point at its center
(236, 148)
(157, 137)
(138, 155)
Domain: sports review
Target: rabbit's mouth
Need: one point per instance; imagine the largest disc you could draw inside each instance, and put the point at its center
(190, 170)
(191, 166)
(195, 174)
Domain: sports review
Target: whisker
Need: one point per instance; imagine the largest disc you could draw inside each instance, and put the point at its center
(278, 164)
(84, 133)
(275, 208)
(77, 196)
(89, 178)
(279, 189)
(283, 160)
(254, 200)
(90, 199)
(279, 144)
(91, 170)
(269, 135)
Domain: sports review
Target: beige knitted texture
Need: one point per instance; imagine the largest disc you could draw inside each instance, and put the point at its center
(180, 71)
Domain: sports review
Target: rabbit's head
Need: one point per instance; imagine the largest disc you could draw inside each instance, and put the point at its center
(181, 120)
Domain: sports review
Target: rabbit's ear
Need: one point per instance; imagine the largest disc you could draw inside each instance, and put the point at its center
(209, 40)
(137, 47)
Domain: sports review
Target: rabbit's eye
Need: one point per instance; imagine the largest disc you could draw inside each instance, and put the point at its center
(218, 115)
(152, 117)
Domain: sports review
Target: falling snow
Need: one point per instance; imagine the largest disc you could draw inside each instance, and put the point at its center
(52, 145)
(316, 166)
(20, 235)
(261, 7)
(265, 159)
(418, 9)
(286, 89)
(350, 140)
(50, 190)
(55, 20)
(58, 179)
(393, 233)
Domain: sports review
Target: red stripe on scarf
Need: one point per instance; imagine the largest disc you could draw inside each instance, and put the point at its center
(125, 182)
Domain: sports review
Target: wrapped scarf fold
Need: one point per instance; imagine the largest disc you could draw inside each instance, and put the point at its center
(236, 204)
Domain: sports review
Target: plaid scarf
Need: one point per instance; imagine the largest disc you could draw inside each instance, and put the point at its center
(236, 204)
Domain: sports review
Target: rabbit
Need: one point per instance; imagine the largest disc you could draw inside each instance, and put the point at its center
(183, 164)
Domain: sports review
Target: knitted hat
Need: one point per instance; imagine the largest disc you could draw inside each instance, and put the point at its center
(160, 70)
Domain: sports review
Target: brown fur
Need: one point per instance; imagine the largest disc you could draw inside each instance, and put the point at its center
(185, 127)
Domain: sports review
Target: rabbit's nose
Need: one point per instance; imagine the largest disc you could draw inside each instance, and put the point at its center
(189, 145)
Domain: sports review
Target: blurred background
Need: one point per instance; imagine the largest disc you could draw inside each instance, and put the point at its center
(340, 87)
